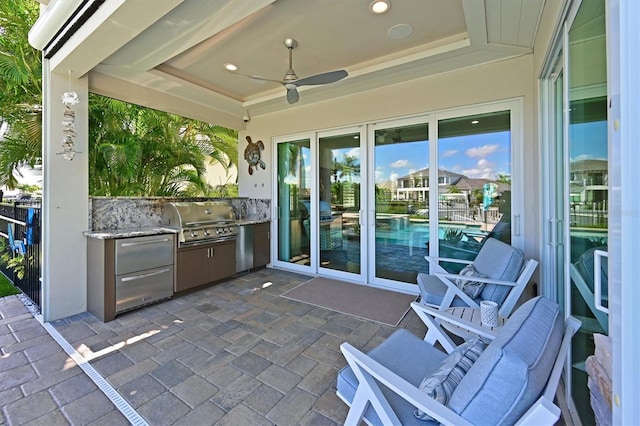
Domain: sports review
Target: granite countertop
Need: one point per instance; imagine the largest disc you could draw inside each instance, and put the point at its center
(131, 232)
(251, 221)
(108, 234)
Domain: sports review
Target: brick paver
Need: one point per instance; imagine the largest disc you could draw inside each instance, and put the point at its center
(39, 383)
(232, 353)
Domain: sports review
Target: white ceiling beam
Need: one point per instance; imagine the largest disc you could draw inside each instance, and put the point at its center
(476, 18)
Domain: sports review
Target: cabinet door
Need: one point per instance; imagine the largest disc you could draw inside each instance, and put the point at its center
(193, 268)
(223, 260)
(261, 244)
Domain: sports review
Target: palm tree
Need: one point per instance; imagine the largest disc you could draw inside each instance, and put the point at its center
(139, 151)
(20, 90)
(133, 150)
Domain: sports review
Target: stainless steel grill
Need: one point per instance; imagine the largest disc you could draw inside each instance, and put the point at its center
(201, 222)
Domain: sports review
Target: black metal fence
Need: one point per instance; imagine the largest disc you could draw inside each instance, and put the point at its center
(20, 234)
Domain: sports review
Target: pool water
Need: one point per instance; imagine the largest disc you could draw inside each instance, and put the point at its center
(415, 235)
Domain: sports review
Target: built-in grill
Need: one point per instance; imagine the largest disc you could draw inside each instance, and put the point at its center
(201, 222)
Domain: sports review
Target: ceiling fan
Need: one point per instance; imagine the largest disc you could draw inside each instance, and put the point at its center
(291, 81)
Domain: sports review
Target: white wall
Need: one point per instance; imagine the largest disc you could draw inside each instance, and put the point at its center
(497, 81)
(65, 202)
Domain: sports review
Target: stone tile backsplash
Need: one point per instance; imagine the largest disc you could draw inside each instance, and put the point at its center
(109, 213)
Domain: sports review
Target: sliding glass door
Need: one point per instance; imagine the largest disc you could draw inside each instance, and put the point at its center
(587, 182)
(400, 197)
(474, 183)
(576, 188)
(368, 203)
(294, 213)
(339, 207)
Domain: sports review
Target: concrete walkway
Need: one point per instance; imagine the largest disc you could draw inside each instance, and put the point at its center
(235, 353)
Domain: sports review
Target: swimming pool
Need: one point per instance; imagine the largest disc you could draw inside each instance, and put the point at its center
(416, 234)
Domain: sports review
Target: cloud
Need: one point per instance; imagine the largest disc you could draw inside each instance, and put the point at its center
(394, 177)
(482, 151)
(398, 164)
(484, 170)
(449, 153)
(354, 152)
(583, 157)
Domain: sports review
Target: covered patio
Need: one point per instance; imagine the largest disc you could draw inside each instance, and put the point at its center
(419, 63)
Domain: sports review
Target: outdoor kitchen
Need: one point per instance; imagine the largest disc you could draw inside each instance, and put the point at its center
(145, 250)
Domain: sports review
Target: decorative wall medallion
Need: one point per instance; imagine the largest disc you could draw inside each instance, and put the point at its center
(252, 155)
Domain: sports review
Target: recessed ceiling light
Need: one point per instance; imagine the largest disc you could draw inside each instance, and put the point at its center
(379, 6)
(475, 122)
(230, 67)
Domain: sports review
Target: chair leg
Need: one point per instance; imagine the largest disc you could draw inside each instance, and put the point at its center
(358, 407)
(435, 333)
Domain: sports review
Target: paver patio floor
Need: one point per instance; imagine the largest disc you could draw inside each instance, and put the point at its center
(234, 353)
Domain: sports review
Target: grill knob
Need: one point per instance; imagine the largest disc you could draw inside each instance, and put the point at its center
(218, 230)
(206, 232)
(194, 234)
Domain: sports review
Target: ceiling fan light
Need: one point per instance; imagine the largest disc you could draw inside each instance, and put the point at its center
(230, 67)
(379, 6)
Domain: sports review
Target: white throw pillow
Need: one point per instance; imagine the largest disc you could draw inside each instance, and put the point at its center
(470, 287)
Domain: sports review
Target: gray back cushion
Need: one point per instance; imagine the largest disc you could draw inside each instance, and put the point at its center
(499, 261)
(512, 372)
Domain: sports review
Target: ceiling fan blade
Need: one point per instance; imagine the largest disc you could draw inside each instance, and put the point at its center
(257, 77)
(325, 78)
(292, 95)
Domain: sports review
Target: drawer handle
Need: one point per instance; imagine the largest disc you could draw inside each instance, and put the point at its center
(150, 274)
(145, 242)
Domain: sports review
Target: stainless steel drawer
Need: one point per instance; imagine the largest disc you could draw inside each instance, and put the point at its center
(141, 288)
(141, 253)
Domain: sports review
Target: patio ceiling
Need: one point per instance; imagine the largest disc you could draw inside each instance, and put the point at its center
(169, 54)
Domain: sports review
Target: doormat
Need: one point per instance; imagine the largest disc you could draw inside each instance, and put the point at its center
(370, 303)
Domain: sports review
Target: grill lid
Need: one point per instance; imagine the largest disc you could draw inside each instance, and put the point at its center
(197, 213)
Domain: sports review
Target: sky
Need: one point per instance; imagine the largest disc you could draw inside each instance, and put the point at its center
(475, 156)
(588, 141)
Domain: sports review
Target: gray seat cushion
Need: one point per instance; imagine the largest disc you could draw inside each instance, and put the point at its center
(409, 357)
(512, 372)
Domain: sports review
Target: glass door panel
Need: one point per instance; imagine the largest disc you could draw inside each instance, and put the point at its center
(339, 177)
(587, 183)
(294, 212)
(474, 183)
(401, 174)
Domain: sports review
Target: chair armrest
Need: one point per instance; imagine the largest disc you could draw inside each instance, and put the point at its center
(542, 412)
(486, 280)
(365, 368)
(422, 310)
(434, 263)
(434, 259)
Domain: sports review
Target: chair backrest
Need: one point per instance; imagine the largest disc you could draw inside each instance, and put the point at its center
(499, 261)
(582, 275)
(516, 368)
(585, 266)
